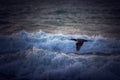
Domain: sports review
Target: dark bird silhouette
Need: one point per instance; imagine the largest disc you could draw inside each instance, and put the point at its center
(79, 43)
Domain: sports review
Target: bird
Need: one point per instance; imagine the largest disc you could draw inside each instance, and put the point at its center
(79, 43)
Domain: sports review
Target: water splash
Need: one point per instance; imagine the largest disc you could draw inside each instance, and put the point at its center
(57, 43)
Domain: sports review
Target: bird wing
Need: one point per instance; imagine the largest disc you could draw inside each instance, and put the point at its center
(74, 39)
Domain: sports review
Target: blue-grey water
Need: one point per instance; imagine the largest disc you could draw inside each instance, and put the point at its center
(35, 40)
(93, 17)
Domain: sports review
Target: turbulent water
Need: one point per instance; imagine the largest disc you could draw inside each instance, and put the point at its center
(57, 43)
(35, 39)
(45, 56)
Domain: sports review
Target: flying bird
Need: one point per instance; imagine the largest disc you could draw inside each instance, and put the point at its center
(79, 43)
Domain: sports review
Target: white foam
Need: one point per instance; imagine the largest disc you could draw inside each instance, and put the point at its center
(41, 64)
(58, 43)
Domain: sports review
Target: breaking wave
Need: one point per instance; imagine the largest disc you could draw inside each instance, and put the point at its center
(39, 64)
(45, 56)
(57, 43)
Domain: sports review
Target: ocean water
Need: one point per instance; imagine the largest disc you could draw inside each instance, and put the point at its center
(57, 43)
(35, 39)
(76, 17)
(46, 56)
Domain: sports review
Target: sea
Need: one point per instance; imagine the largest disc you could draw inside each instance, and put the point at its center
(35, 39)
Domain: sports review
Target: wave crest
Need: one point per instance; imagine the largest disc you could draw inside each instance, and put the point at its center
(57, 43)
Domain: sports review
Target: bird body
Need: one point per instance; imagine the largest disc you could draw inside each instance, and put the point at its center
(79, 43)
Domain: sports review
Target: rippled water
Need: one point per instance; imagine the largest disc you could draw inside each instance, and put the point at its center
(93, 17)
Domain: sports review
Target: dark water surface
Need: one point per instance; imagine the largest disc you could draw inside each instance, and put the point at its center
(95, 17)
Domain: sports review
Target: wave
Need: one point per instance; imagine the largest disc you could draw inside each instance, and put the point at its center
(39, 64)
(57, 43)
(45, 56)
